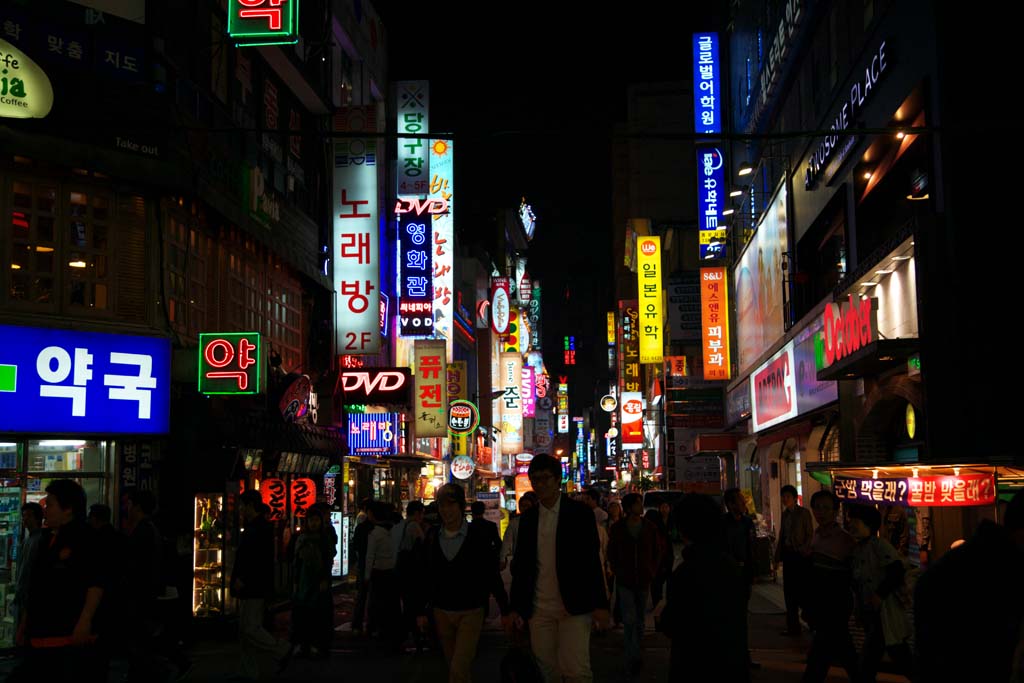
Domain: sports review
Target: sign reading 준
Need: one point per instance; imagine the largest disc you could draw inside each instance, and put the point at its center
(25, 91)
(66, 381)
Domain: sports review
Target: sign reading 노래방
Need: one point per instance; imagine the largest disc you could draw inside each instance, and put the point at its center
(67, 381)
(373, 433)
(25, 90)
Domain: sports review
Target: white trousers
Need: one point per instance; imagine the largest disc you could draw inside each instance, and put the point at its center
(561, 644)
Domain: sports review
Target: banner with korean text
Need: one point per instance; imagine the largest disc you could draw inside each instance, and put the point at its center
(511, 376)
(457, 391)
(430, 404)
(714, 314)
(442, 189)
(356, 255)
(652, 339)
(412, 103)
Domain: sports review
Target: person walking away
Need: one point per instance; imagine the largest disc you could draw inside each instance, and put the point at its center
(252, 582)
(968, 606)
(794, 552)
(557, 587)
(705, 609)
(592, 498)
(32, 523)
(489, 528)
(665, 555)
(406, 537)
(360, 538)
(878, 574)
(311, 594)
(508, 544)
(64, 593)
(634, 555)
(458, 574)
(829, 593)
(738, 529)
(143, 583)
(380, 568)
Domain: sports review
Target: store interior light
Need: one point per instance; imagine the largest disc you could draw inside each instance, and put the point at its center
(15, 266)
(869, 284)
(918, 199)
(43, 250)
(900, 135)
(62, 442)
(882, 272)
(867, 175)
(901, 258)
(76, 264)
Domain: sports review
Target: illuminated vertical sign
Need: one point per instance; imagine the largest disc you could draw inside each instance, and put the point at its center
(229, 363)
(500, 307)
(457, 381)
(511, 343)
(413, 168)
(511, 376)
(430, 404)
(629, 347)
(263, 22)
(632, 420)
(611, 328)
(714, 314)
(356, 257)
(373, 433)
(415, 281)
(442, 188)
(529, 392)
(570, 350)
(648, 272)
(712, 194)
(707, 96)
(535, 316)
(563, 405)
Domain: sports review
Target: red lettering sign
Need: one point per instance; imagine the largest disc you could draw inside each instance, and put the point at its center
(303, 495)
(385, 386)
(849, 326)
(955, 491)
(433, 207)
(273, 494)
(774, 390)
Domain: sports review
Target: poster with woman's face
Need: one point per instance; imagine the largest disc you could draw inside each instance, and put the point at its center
(758, 278)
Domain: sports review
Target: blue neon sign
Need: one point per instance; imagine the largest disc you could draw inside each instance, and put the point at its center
(373, 433)
(70, 382)
(416, 276)
(711, 196)
(707, 109)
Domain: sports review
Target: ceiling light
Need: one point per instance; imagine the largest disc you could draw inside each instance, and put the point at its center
(43, 250)
(745, 169)
(728, 212)
(869, 284)
(900, 135)
(77, 264)
(867, 175)
(736, 193)
(902, 258)
(15, 266)
(882, 272)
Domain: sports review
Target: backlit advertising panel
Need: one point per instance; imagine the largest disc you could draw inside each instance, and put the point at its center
(415, 276)
(500, 306)
(442, 188)
(511, 401)
(373, 433)
(263, 22)
(430, 403)
(356, 257)
(712, 194)
(714, 304)
(652, 337)
(412, 104)
(632, 427)
(707, 95)
(758, 283)
(810, 393)
(529, 395)
(773, 393)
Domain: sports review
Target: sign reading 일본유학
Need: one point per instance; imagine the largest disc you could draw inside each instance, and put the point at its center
(65, 381)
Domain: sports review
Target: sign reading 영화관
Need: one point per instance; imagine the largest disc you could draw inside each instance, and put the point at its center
(65, 381)
(25, 90)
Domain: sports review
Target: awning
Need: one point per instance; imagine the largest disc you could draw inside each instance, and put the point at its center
(714, 442)
(873, 359)
(782, 433)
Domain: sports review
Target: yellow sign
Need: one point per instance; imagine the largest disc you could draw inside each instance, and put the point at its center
(611, 328)
(648, 271)
(911, 421)
(25, 91)
(709, 236)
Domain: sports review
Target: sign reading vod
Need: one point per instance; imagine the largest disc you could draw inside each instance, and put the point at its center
(65, 381)
(25, 90)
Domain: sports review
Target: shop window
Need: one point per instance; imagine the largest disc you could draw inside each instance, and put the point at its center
(830, 445)
(8, 456)
(66, 455)
(33, 242)
(88, 255)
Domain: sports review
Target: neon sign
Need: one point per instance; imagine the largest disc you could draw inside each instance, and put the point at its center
(849, 326)
(386, 385)
(263, 22)
(433, 207)
(229, 363)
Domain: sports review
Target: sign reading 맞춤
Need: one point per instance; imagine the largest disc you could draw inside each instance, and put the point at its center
(66, 381)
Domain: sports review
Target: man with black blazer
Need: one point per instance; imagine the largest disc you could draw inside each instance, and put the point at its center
(557, 578)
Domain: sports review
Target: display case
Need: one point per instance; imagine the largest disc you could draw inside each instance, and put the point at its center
(10, 533)
(208, 582)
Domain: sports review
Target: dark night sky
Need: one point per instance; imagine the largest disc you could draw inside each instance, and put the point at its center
(531, 96)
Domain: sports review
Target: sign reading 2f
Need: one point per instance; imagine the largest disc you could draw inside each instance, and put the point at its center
(229, 363)
(65, 381)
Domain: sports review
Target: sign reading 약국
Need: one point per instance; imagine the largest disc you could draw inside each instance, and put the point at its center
(65, 381)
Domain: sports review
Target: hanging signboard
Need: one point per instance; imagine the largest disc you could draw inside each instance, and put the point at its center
(25, 90)
(413, 108)
(430, 402)
(263, 22)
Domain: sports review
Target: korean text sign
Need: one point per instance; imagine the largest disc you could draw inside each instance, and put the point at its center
(356, 239)
(442, 189)
(927, 491)
(711, 196)
(263, 22)
(652, 341)
(714, 313)
(430, 401)
(707, 116)
(229, 362)
(66, 381)
(413, 108)
(415, 284)
(373, 433)
(511, 375)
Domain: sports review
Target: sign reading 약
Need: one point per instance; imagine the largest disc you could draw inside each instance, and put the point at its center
(229, 363)
(263, 22)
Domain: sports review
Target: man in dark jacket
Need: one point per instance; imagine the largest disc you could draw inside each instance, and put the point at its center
(705, 614)
(489, 528)
(458, 572)
(557, 578)
(794, 551)
(143, 582)
(360, 541)
(738, 529)
(635, 556)
(252, 582)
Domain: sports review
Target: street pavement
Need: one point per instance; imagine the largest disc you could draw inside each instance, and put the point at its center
(355, 658)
